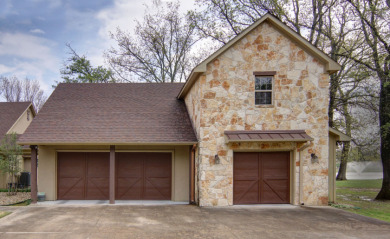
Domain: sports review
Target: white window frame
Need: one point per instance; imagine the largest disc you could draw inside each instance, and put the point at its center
(265, 74)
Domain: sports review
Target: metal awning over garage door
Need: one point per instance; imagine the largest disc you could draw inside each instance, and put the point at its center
(139, 176)
(267, 136)
(261, 177)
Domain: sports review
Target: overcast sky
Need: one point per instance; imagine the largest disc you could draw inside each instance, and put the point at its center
(33, 33)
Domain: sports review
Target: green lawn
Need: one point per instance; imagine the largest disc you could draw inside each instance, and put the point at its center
(357, 196)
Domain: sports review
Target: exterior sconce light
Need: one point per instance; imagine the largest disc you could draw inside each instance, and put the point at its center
(314, 158)
(216, 159)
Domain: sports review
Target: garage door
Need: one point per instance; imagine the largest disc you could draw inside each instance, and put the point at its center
(82, 176)
(261, 178)
(143, 176)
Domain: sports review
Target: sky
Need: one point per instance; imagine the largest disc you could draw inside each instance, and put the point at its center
(34, 33)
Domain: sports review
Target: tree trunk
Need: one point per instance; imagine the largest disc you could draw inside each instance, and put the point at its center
(332, 97)
(384, 123)
(342, 174)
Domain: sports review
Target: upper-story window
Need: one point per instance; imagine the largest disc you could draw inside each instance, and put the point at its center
(264, 87)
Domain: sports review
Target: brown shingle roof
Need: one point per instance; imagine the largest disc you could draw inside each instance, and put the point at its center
(120, 113)
(268, 136)
(9, 113)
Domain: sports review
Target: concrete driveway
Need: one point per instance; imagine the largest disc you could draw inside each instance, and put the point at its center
(185, 221)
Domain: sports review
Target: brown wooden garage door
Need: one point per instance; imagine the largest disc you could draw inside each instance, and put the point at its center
(82, 176)
(261, 178)
(143, 176)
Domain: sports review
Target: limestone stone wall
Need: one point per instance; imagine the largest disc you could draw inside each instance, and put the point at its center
(223, 99)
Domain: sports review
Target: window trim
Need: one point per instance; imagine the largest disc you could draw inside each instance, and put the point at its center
(265, 73)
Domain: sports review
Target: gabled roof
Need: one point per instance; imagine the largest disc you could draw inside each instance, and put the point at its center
(112, 113)
(10, 112)
(330, 65)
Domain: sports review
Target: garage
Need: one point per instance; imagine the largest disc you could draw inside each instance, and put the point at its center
(138, 176)
(261, 177)
(82, 176)
(143, 176)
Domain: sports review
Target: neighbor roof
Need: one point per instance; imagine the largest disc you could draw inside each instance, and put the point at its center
(331, 66)
(9, 114)
(112, 113)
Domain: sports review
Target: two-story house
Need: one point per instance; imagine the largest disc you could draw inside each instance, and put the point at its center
(15, 117)
(250, 126)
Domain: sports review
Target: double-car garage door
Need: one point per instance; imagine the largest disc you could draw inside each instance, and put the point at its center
(138, 176)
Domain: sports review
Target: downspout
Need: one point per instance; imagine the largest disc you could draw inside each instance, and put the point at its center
(301, 174)
(192, 175)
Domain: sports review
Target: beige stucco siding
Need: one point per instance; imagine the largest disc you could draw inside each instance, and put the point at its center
(225, 101)
(332, 167)
(18, 127)
(47, 171)
(22, 123)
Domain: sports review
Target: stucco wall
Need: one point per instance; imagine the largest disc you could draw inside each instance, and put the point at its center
(225, 96)
(22, 123)
(47, 172)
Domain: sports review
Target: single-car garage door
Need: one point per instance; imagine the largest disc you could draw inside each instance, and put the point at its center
(82, 176)
(143, 176)
(261, 177)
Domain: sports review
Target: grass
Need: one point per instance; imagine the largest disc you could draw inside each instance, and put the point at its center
(3, 214)
(19, 190)
(24, 203)
(357, 196)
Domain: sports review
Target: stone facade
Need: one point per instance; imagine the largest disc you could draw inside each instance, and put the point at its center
(223, 99)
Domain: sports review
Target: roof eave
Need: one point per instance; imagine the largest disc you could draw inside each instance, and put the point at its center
(190, 81)
(341, 136)
(107, 143)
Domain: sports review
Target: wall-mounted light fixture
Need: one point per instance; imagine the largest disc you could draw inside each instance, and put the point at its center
(216, 159)
(314, 158)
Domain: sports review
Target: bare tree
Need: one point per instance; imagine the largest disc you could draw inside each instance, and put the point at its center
(373, 18)
(16, 90)
(159, 49)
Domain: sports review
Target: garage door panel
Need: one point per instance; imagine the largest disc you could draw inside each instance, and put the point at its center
(274, 192)
(97, 189)
(71, 176)
(71, 188)
(157, 189)
(98, 165)
(268, 171)
(83, 175)
(246, 192)
(129, 188)
(71, 165)
(144, 176)
(246, 166)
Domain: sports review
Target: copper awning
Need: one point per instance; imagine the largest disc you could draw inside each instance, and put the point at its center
(267, 136)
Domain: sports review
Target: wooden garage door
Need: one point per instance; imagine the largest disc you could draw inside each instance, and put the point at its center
(261, 178)
(143, 176)
(82, 176)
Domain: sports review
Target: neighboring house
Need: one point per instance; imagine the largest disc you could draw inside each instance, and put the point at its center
(15, 117)
(250, 126)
